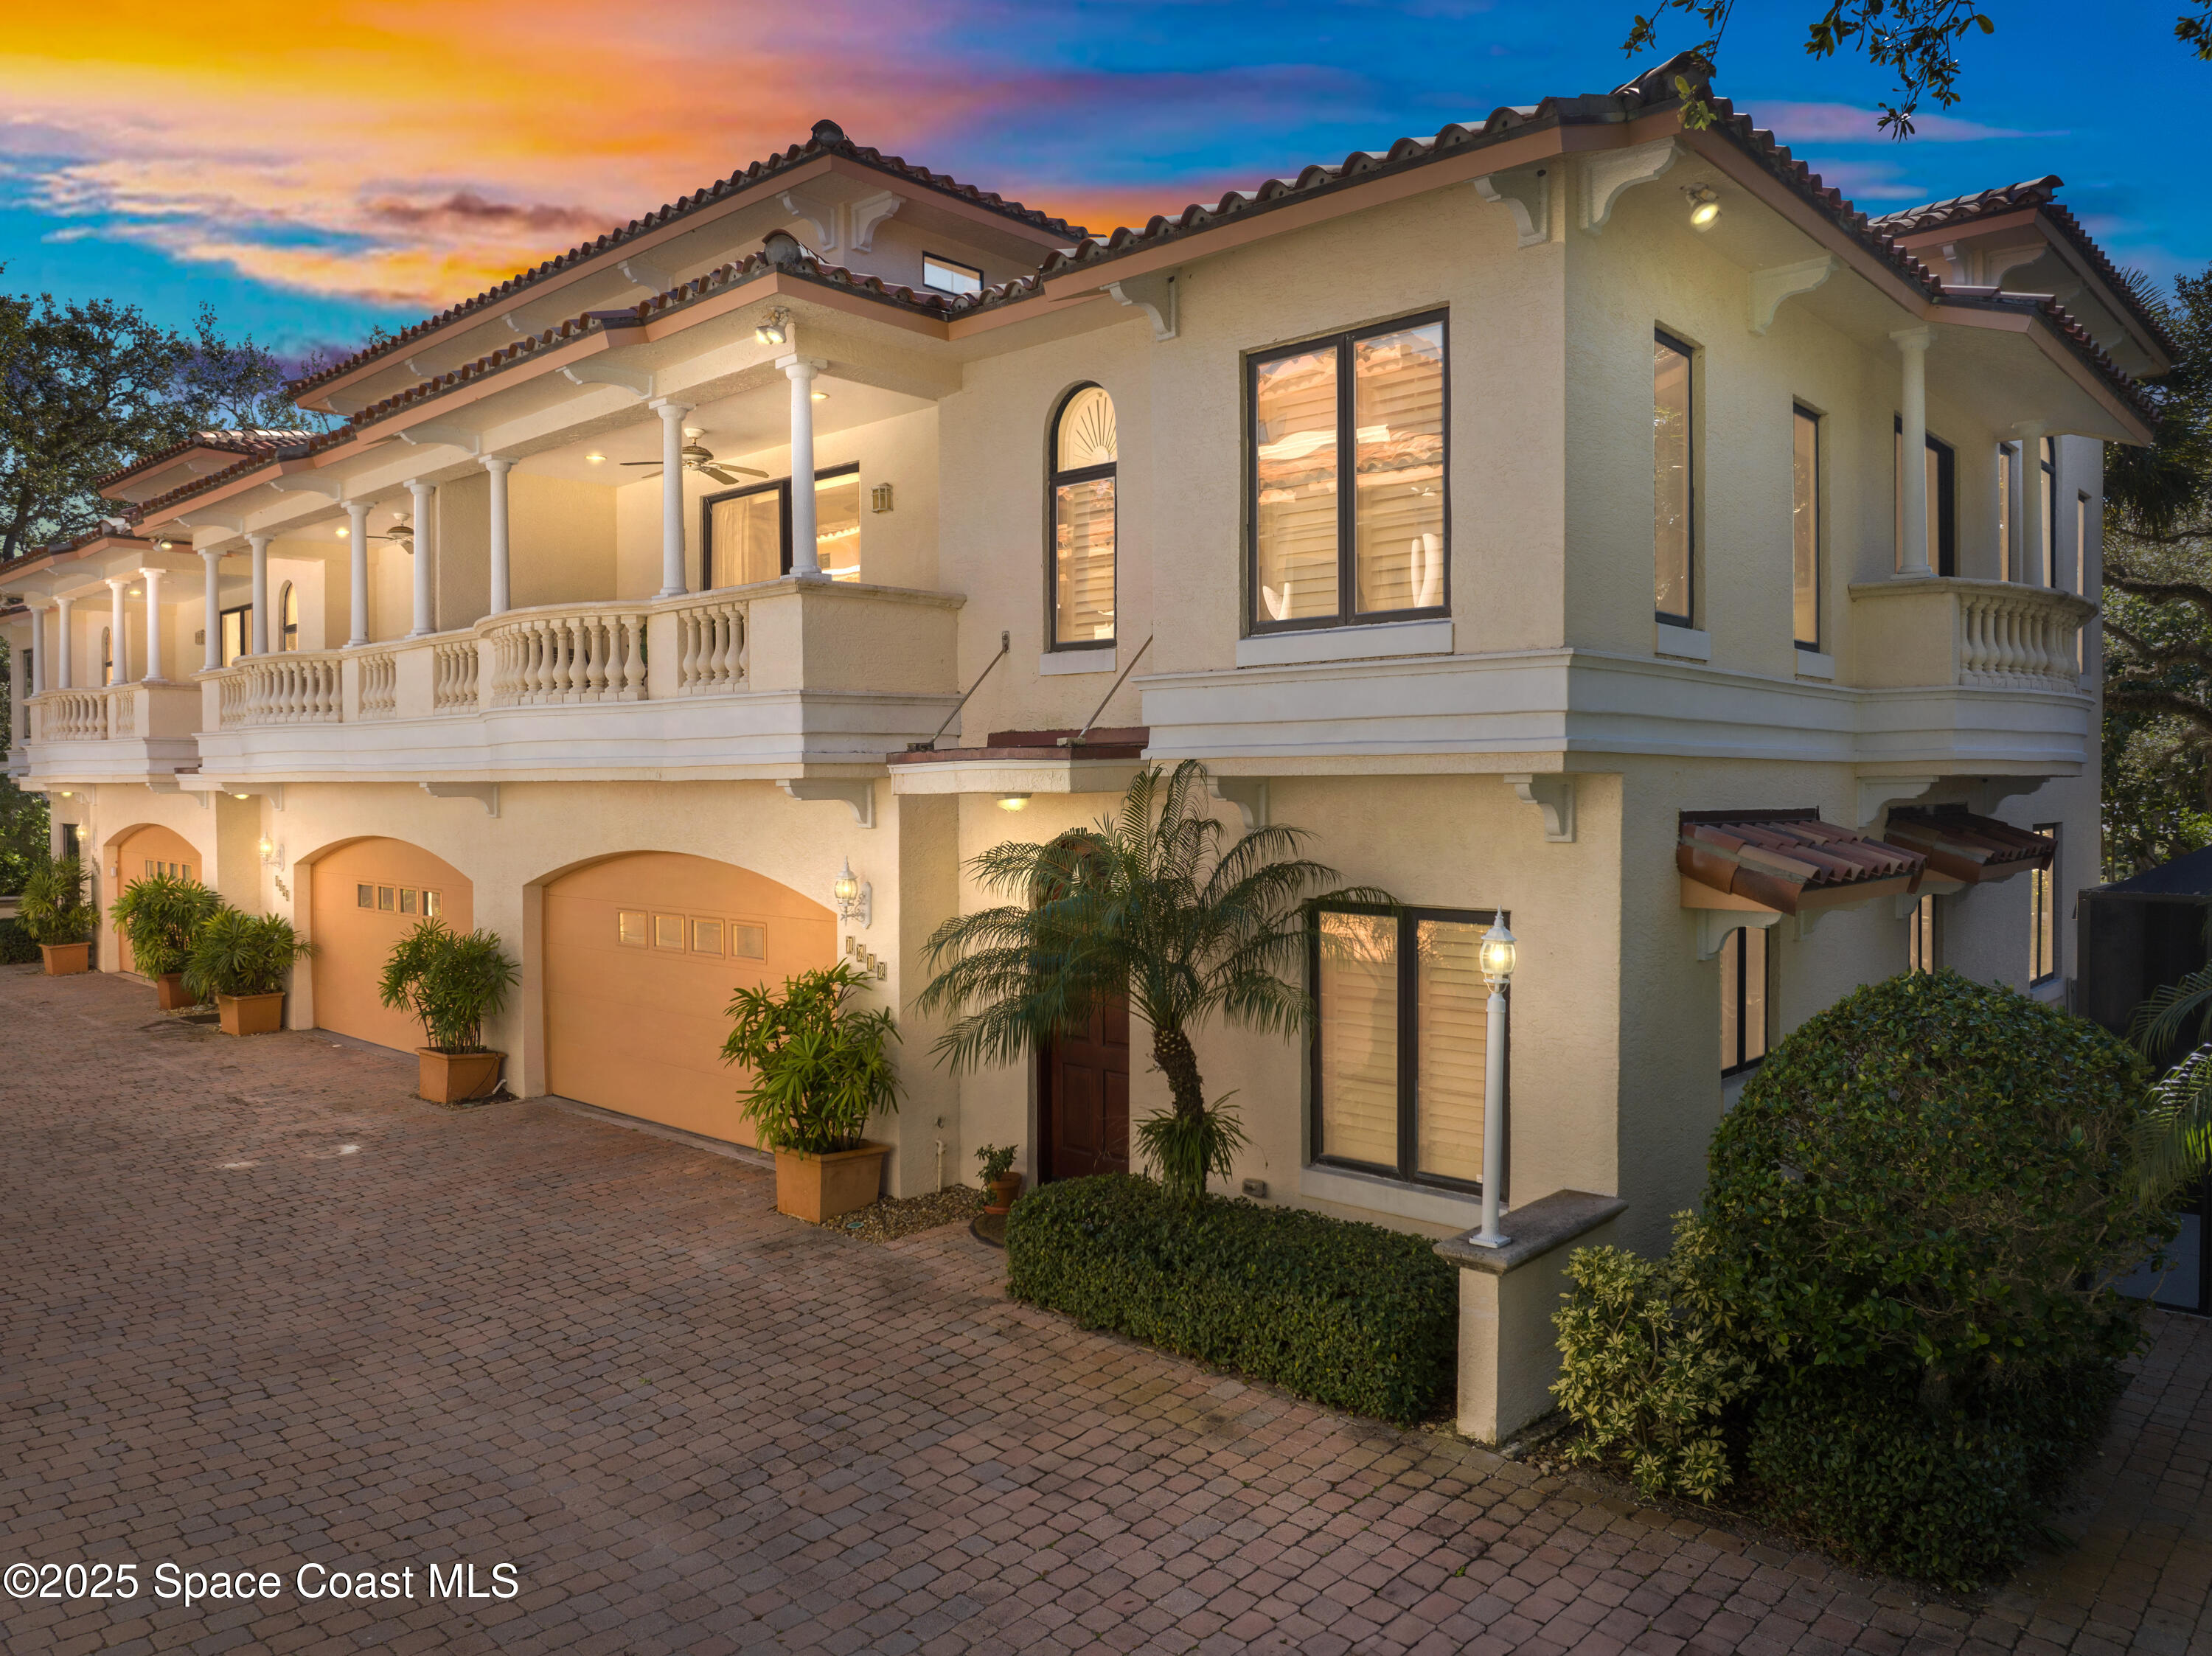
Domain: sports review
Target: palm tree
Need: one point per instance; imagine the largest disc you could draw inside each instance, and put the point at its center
(2174, 1144)
(1154, 904)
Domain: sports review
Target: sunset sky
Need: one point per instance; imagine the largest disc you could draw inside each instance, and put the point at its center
(310, 170)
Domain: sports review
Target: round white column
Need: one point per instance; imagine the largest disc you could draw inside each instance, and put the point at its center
(357, 562)
(257, 641)
(62, 677)
(500, 588)
(119, 655)
(153, 623)
(426, 590)
(38, 647)
(1913, 547)
(211, 656)
(2036, 564)
(806, 560)
(672, 499)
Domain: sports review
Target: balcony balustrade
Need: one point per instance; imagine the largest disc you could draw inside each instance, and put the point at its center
(1997, 635)
(291, 688)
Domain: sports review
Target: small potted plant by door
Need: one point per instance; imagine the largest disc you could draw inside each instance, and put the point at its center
(240, 961)
(452, 982)
(159, 917)
(1000, 1178)
(57, 917)
(820, 1068)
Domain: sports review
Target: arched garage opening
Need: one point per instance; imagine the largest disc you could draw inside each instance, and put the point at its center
(642, 952)
(150, 849)
(364, 896)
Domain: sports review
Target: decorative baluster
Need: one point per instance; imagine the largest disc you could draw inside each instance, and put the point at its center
(633, 656)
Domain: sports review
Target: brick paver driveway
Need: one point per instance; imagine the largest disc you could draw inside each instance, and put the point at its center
(264, 1311)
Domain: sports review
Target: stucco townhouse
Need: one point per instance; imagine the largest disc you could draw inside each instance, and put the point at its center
(1569, 516)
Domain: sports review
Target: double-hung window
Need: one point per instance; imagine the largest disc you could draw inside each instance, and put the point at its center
(1346, 479)
(1805, 527)
(1400, 1045)
(2043, 920)
(1674, 488)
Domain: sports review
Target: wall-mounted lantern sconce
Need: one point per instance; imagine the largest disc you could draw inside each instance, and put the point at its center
(272, 854)
(856, 898)
(1499, 950)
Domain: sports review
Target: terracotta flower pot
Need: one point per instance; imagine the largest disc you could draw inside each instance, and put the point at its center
(169, 990)
(1003, 1192)
(63, 958)
(819, 1187)
(456, 1077)
(252, 1015)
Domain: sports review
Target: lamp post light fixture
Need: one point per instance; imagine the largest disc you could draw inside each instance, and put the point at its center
(856, 898)
(1497, 954)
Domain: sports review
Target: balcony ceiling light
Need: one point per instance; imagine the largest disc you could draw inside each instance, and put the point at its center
(595, 459)
(1704, 205)
(1013, 802)
(821, 396)
(774, 328)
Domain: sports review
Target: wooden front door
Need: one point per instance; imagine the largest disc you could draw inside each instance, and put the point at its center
(1086, 1075)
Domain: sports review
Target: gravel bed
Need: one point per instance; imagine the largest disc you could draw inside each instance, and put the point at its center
(895, 1216)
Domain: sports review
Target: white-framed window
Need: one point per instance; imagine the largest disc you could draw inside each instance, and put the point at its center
(1674, 482)
(950, 276)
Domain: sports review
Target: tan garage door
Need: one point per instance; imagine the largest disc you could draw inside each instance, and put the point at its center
(151, 849)
(641, 954)
(367, 896)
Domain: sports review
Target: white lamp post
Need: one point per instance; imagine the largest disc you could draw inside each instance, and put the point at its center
(1497, 953)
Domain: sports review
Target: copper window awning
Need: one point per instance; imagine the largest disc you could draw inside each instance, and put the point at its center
(1788, 861)
(1972, 850)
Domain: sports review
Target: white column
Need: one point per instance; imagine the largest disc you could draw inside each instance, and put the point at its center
(2034, 532)
(211, 560)
(39, 676)
(118, 658)
(357, 557)
(671, 497)
(59, 679)
(258, 643)
(153, 624)
(500, 589)
(806, 563)
(1912, 462)
(426, 591)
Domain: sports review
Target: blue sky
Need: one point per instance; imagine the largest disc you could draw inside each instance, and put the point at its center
(310, 181)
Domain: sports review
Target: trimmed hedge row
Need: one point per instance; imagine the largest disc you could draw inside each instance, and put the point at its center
(1350, 1315)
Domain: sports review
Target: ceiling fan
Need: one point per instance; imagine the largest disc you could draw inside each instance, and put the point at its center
(700, 458)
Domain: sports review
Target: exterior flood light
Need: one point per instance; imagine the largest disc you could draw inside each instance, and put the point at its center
(774, 328)
(855, 897)
(1497, 955)
(1704, 205)
(1013, 802)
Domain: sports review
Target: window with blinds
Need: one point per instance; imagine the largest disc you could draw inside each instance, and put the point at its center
(1347, 442)
(1399, 1050)
(1086, 455)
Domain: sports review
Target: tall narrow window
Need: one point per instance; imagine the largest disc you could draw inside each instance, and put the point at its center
(1322, 554)
(2042, 900)
(2007, 474)
(1743, 999)
(748, 531)
(107, 655)
(1942, 486)
(1086, 455)
(2080, 575)
(1921, 945)
(287, 612)
(1805, 529)
(1400, 1057)
(1674, 495)
(2047, 503)
(237, 632)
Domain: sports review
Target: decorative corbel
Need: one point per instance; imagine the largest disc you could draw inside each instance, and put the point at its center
(1771, 287)
(817, 212)
(653, 278)
(1248, 793)
(484, 793)
(636, 381)
(1155, 295)
(866, 214)
(1528, 191)
(1606, 173)
(1714, 925)
(442, 434)
(1552, 793)
(303, 483)
(860, 796)
(1878, 793)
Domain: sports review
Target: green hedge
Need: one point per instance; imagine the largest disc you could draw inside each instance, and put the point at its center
(16, 948)
(1358, 1318)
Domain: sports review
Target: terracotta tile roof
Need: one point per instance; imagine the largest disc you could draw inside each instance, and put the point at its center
(249, 440)
(1960, 846)
(828, 139)
(1790, 860)
(314, 443)
(2042, 195)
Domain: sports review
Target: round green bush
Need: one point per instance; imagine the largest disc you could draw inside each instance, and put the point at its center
(1934, 1173)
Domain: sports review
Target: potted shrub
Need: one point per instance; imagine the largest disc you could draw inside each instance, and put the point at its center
(451, 982)
(241, 959)
(159, 916)
(820, 1067)
(57, 917)
(999, 1176)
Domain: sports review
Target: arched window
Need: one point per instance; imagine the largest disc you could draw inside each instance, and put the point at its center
(288, 616)
(1084, 453)
(107, 655)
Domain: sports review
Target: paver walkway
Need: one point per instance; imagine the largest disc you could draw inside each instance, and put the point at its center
(263, 1310)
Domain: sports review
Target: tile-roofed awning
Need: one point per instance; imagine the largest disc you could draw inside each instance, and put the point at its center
(1972, 850)
(242, 441)
(1788, 861)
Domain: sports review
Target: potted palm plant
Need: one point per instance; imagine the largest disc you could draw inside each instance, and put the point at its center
(57, 917)
(452, 982)
(820, 1068)
(241, 959)
(158, 915)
